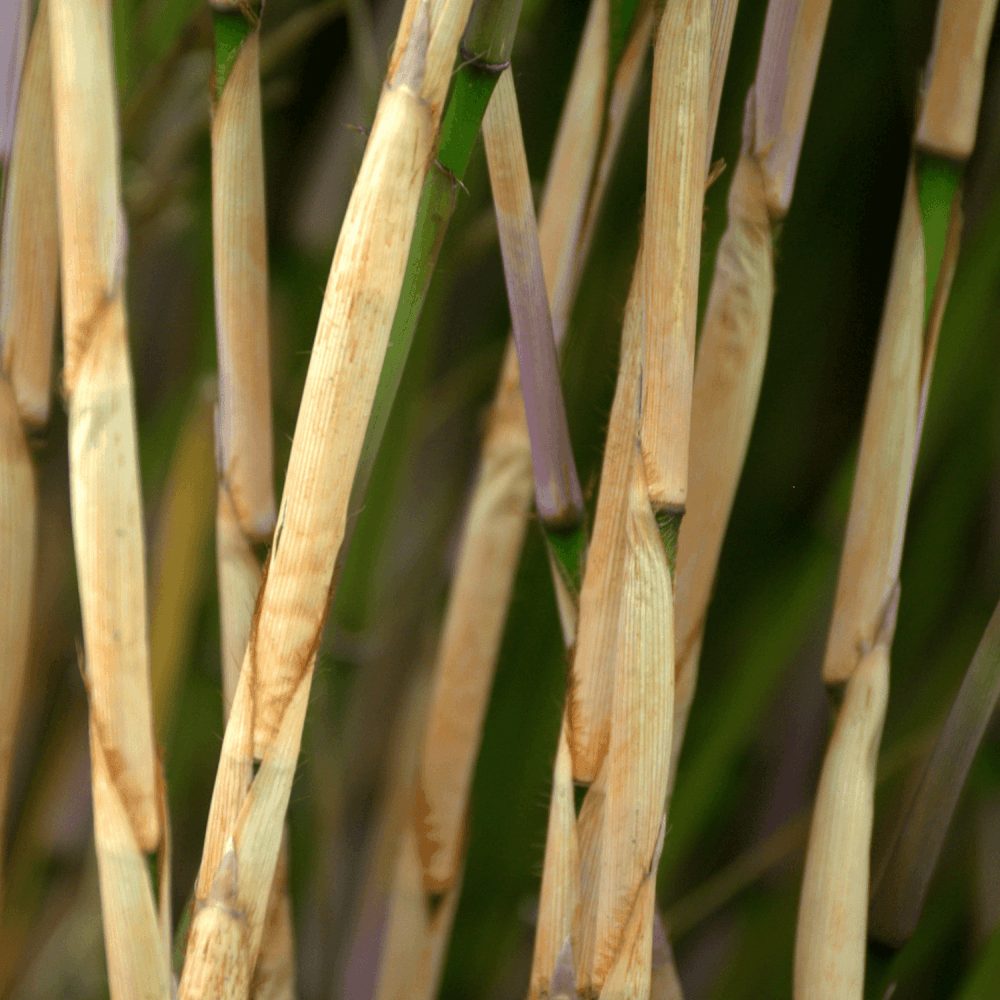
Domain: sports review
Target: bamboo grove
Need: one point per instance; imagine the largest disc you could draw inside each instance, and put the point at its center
(433, 580)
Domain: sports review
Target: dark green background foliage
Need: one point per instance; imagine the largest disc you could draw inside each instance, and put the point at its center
(761, 717)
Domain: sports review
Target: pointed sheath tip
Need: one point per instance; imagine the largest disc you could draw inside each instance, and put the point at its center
(563, 983)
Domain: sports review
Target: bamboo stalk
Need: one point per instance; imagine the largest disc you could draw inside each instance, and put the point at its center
(495, 524)
(558, 496)
(484, 55)
(245, 495)
(28, 296)
(129, 808)
(733, 346)
(268, 710)
(868, 585)
(874, 539)
(840, 837)
(613, 939)
(622, 741)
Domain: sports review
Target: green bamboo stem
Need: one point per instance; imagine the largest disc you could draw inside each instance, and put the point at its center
(471, 92)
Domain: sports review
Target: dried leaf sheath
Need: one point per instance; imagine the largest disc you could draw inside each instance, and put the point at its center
(241, 299)
(106, 505)
(873, 544)
(675, 191)
(727, 380)
(357, 312)
(561, 219)
(736, 327)
(589, 697)
(106, 508)
(136, 939)
(638, 759)
(620, 99)
(29, 262)
(950, 111)
(494, 529)
(245, 496)
(418, 927)
(593, 662)
(782, 93)
(358, 309)
(830, 942)
(239, 582)
(492, 539)
(558, 904)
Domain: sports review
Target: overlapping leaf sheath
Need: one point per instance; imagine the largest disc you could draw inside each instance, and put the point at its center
(868, 584)
(638, 759)
(245, 501)
(239, 246)
(129, 814)
(944, 139)
(247, 812)
(495, 523)
(622, 691)
(29, 275)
